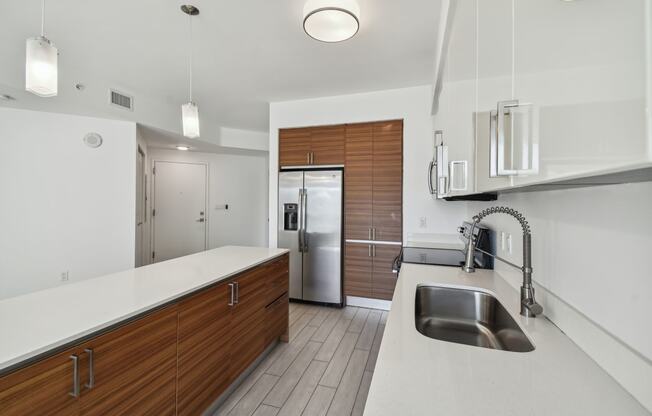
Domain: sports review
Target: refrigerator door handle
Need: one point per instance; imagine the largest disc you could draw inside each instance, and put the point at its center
(305, 220)
(300, 227)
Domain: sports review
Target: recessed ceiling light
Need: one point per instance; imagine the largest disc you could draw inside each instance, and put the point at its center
(183, 148)
(331, 20)
(6, 97)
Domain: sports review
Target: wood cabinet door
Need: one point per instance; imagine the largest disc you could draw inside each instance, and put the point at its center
(384, 280)
(358, 181)
(203, 349)
(247, 337)
(135, 368)
(388, 180)
(277, 316)
(327, 145)
(40, 389)
(358, 265)
(294, 147)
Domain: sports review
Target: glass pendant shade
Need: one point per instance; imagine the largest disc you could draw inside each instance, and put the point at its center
(41, 73)
(190, 119)
(331, 20)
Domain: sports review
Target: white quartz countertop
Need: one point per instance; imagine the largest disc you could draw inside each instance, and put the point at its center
(417, 375)
(41, 321)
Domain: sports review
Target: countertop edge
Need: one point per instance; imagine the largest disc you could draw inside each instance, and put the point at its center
(44, 352)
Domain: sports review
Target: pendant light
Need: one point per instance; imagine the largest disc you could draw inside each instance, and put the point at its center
(190, 111)
(41, 73)
(331, 20)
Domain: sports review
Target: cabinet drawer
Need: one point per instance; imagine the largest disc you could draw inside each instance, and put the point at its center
(276, 318)
(278, 279)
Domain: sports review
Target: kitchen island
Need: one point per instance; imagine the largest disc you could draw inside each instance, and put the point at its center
(203, 318)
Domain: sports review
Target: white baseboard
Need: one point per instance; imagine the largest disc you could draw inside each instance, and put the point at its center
(384, 305)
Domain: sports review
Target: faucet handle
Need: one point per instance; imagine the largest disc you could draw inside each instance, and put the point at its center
(532, 308)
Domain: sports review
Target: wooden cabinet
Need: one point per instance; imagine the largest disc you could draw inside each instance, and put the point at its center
(384, 279)
(203, 349)
(373, 181)
(247, 338)
(358, 265)
(134, 368)
(317, 146)
(373, 204)
(368, 270)
(276, 319)
(177, 360)
(387, 199)
(43, 388)
(358, 181)
(294, 147)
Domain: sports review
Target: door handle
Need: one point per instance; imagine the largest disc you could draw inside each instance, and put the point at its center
(232, 298)
(312, 158)
(200, 220)
(373, 250)
(369, 234)
(431, 188)
(373, 233)
(307, 158)
(369, 246)
(300, 228)
(91, 368)
(75, 376)
(305, 220)
(237, 292)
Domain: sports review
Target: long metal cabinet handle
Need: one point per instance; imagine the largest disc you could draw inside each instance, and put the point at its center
(431, 188)
(300, 228)
(500, 133)
(373, 251)
(307, 158)
(373, 233)
(369, 246)
(232, 298)
(91, 368)
(237, 293)
(305, 220)
(75, 376)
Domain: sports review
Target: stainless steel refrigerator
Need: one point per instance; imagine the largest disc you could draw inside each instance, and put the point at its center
(310, 225)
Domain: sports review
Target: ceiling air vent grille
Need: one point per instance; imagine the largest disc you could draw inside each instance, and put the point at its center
(121, 100)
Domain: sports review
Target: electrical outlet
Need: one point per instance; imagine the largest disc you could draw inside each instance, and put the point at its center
(509, 243)
(423, 222)
(64, 276)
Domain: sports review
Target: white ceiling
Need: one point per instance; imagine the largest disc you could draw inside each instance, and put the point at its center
(247, 52)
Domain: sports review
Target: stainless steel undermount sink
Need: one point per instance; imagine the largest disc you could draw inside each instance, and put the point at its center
(469, 317)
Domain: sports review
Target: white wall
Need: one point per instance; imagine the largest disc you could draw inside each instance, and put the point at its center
(591, 252)
(413, 105)
(244, 139)
(64, 206)
(237, 178)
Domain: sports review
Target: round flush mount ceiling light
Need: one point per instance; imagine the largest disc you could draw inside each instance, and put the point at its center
(331, 20)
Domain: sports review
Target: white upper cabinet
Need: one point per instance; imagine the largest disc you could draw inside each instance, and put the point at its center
(494, 82)
(458, 102)
(582, 66)
(544, 91)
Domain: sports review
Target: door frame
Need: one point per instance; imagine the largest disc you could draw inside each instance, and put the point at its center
(144, 258)
(153, 205)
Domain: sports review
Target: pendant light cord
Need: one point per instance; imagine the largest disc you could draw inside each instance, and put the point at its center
(190, 58)
(42, 18)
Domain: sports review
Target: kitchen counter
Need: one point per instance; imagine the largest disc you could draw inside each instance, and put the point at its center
(36, 323)
(417, 375)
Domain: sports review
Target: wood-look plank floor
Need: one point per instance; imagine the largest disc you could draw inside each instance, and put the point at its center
(325, 369)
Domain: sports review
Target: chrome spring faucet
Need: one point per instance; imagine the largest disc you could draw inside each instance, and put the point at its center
(529, 306)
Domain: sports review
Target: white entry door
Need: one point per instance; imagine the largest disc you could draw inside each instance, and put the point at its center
(179, 214)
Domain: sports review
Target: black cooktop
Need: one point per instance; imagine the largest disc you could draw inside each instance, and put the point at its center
(435, 256)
